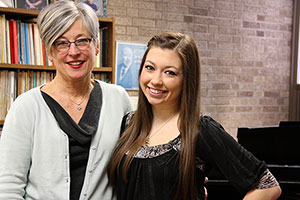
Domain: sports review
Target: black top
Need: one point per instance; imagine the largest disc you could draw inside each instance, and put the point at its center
(153, 173)
(80, 135)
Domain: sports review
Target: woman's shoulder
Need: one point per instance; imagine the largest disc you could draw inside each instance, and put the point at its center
(207, 121)
(210, 128)
(29, 96)
(27, 102)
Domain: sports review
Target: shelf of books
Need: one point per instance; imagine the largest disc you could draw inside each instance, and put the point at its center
(24, 63)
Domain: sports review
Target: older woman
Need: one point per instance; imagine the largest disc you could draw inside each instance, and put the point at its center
(58, 138)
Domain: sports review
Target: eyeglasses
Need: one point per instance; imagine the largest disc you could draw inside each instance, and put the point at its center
(63, 46)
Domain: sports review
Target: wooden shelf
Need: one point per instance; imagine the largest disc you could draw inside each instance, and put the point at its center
(45, 68)
(29, 67)
(19, 12)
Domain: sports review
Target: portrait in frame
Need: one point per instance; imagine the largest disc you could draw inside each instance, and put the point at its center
(128, 60)
(31, 4)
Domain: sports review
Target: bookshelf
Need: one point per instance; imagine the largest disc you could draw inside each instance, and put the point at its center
(105, 69)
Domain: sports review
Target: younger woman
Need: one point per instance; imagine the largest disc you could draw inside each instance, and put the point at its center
(166, 143)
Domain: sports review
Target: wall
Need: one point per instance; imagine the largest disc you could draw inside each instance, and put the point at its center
(245, 49)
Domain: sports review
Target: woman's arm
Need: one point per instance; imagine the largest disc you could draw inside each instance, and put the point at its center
(244, 171)
(263, 194)
(266, 189)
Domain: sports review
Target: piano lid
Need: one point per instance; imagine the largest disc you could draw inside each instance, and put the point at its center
(278, 145)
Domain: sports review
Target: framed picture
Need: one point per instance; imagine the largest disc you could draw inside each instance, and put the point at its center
(128, 60)
(99, 6)
(31, 4)
(7, 3)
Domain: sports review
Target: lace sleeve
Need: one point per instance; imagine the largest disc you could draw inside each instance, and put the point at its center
(267, 181)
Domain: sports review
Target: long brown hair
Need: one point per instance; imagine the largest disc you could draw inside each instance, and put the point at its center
(139, 127)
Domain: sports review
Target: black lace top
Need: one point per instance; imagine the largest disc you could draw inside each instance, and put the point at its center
(153, 173)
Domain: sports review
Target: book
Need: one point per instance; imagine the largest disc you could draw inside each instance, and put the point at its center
(30, 79)
(20, 42)
(21, 82)
(30, 44)
(44, 55)
(34, 80)
(41, 49)
(14, 48)
(36, 41)
(2, 94)
(7, 91)
(23, 43)
(8, 59)
(38, 78)
(12, 41)
(4, 60)
(1, 39)
(97, 59)
(43, 77)
(12, 88)
(26, 45)
(103, 46)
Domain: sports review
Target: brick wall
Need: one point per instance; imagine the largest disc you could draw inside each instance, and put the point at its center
(245, 49)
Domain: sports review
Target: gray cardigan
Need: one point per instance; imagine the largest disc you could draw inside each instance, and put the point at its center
(34, 160)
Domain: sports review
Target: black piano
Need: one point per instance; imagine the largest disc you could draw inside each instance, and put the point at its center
(279, 147)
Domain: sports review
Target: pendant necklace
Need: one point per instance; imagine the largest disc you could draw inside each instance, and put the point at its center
(79, 104)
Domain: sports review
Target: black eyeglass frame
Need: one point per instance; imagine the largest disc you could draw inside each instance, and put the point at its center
(56, 43)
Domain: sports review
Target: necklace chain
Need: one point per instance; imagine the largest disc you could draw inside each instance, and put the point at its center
(78, 104)
(147, 142)
(82, 100)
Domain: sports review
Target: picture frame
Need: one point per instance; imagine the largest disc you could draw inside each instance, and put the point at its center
(99, 6)
(34, 4)
(7, 3)
(128, 60)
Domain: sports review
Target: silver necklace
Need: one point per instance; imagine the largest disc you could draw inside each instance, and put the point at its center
(79, 104)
